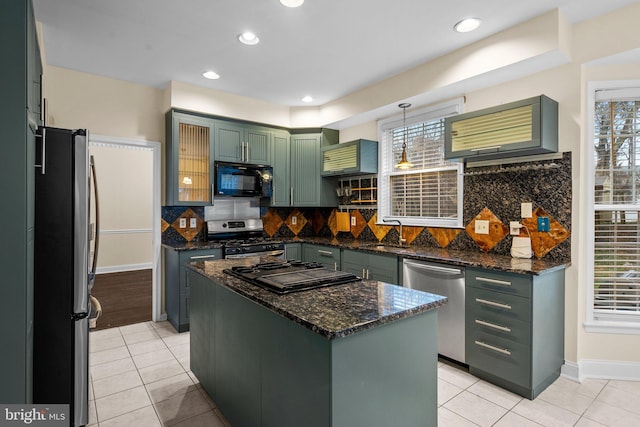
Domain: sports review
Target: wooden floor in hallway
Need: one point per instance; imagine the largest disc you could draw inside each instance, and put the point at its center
(125, 298)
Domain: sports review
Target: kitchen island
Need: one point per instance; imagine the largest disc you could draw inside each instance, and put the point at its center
(356, 354)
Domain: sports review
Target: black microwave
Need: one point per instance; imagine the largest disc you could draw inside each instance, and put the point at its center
(243, 180)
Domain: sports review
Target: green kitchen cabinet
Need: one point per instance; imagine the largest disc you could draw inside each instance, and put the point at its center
(280, 161)
(308, 188)
(329, 256)
(177, 290)
(514, 326)
(237, 142)
(189, 156)
(20, 117)
(293, 251)
(359, 157)
(371, 266)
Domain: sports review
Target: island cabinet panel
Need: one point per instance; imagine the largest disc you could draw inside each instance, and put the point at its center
(515, 328)
(293, 251)
(329, 256)
(263, 369)
(370, 266)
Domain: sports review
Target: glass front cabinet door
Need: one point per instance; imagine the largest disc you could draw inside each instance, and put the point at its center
(189, 159)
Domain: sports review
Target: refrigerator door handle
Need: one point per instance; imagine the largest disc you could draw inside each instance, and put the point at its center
(94, 264)
(42, 164)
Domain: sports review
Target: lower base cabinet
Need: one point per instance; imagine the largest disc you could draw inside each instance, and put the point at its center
(515, 328)
(177, 292)
(371, 266)
(328, 256)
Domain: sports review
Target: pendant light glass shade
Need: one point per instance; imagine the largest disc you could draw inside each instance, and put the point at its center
(404, 163)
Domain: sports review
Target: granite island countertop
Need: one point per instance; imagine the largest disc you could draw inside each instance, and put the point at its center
(333, 312)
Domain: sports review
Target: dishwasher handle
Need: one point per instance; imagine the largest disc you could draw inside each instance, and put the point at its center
(434, 268)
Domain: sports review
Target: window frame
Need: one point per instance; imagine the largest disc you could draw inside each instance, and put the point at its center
(608, 323)
(386, 169)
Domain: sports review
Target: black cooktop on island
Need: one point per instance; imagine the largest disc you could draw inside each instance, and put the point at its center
(284, 277)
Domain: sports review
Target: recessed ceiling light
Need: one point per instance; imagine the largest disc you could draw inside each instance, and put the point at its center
(307, 99)
(466, 25)
(248, 38)
(292, 3)
(211, 75)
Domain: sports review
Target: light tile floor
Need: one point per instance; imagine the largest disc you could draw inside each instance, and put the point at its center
(139, 376)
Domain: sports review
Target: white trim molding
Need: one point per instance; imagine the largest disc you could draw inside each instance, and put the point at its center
(123, 268)
(601, 369)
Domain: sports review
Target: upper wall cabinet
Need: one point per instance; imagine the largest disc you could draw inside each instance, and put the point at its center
(308, 188)
(189, 155)
(350, 158)
(521, 128)
(236, 142)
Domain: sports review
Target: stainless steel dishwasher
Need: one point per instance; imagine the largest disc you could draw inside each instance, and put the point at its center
(448, 281)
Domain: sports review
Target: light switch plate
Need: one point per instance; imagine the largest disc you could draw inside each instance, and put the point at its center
(193, 222)
(526, 210)
(482, 226)
(353, 220)
(294, 220)
(183, 222)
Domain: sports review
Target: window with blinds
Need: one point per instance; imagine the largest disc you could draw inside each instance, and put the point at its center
(429, 193)
(616, 202)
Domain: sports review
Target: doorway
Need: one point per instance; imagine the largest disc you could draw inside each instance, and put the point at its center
(128, 179)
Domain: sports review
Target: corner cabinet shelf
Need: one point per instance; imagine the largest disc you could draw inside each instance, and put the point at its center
(520, 128)
(363, 191)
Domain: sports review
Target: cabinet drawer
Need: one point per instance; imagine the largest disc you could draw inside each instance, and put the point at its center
(509, 283)
(498, 356)
(496, 305)
(329, 256)
(497, 325)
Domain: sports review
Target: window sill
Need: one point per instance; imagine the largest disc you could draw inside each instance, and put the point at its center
(612, 327)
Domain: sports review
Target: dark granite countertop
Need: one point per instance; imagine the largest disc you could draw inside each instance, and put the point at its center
(193, 245)
(334, 311)
(461, 258)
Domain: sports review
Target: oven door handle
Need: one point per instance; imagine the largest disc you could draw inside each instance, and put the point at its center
(276, 253)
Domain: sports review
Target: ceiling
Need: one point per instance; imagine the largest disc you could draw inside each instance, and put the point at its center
(325, 48)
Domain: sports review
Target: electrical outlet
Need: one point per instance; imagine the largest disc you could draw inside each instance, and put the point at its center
(353, 221)
(482, 226)
(294, 220)
(543, 223)
(193, 222)
(514, 228)
(526, 210)
(183, 222)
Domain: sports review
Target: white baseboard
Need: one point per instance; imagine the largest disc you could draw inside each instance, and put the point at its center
(121, 268)
(601, 369)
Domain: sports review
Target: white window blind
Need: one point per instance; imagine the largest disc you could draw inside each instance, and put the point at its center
(616, 202)
(429, 193)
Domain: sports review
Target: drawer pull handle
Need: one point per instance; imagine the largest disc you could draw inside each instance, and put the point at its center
(203, 257)
(493, 304)
(493, 281)
(493, 325)
(490, 347)
(327, 253)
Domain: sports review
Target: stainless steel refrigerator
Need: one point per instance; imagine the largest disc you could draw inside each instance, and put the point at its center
(66, 230)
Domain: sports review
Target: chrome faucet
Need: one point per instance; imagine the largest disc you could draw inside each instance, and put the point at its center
(401, 240)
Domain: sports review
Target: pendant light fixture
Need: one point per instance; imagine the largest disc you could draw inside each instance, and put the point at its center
(404, 163)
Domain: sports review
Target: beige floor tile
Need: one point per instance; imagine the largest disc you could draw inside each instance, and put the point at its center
(207, 419)
(185, 362)
(180, 408)
(141, 336)
(476, 409)
(545, 413)
(514, 420)
(447, 391)
(446, 418)
(206, 396)
(495, 394)
(610, 416)
(166, 332)
(180, 351)
(167, 388)
(100, 344)
(136, 328)
(110, 355)
(116, 383)
(589, 387)
(586, 422)
(620, 397)
(143, 417)
(177, 340)
(456, 376)
(632, 387)
(153, 358)
(93, 416)
(121, 403)
(104, 333)
(560, 395)
(116, 367)
(160, 371)
(146, 347)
